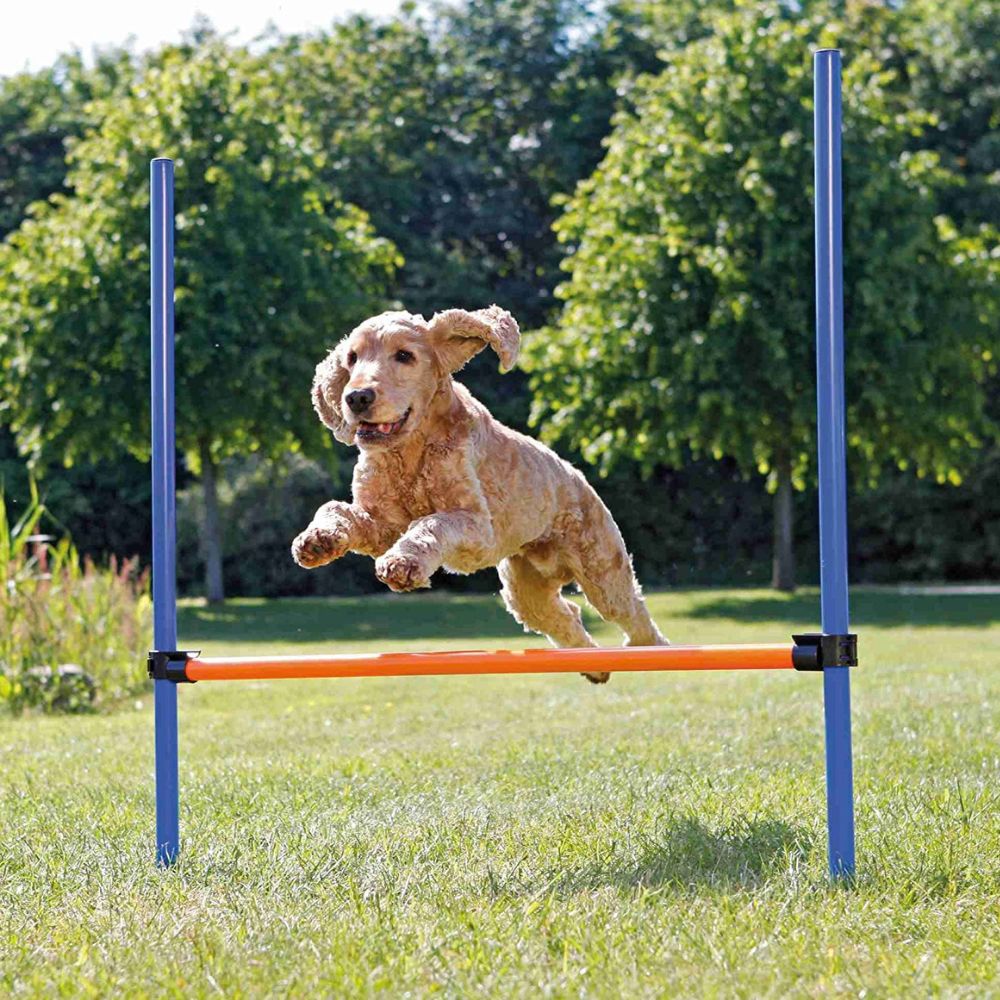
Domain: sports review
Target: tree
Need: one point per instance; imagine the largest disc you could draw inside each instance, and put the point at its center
(454, 131)
(39, 112)
(948, 54)
(688, 312)
(271, 268)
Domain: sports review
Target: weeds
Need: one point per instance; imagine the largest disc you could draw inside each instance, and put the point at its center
(70, 631)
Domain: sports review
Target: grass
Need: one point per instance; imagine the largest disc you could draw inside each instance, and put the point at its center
(661, 836)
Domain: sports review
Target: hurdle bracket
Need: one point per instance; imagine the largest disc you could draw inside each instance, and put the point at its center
(171, 664)
(817, 650)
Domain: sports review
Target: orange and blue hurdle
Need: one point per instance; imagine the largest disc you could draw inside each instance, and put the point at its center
(831, 651)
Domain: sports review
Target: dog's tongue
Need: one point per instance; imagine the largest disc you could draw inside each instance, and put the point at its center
(387, 428)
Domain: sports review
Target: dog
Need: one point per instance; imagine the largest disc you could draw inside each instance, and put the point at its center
(441, 483)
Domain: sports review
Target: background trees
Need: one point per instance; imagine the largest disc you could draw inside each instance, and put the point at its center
(689, 307)
(271, 268)
(39, 113)
(679, 363)
(455, 131)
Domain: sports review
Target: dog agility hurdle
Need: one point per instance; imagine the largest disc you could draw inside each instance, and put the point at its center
(831, 651)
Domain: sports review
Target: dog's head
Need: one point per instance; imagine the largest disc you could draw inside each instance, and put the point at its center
(377, 384)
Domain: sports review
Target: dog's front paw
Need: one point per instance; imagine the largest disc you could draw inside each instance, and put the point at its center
(400, 571)
(601, 677)
(319, 545)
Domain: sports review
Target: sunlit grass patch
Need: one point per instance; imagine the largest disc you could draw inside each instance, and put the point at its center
(519, 836)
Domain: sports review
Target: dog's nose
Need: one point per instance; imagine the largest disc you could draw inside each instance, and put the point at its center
(360, 399)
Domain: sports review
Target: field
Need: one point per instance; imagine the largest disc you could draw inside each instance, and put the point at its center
(660, 836)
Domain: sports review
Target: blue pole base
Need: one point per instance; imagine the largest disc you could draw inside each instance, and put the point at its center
(839, 771)
(167, 791)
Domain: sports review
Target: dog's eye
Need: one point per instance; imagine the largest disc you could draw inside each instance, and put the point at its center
(352, 356)
(403, 357)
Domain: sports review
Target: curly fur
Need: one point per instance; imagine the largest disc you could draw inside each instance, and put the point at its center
(455, 488)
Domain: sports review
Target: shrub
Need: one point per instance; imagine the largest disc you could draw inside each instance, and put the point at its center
(71, 632)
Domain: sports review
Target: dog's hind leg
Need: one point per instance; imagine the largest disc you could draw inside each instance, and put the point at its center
(616, 598)
(603, 570)
(535, 600)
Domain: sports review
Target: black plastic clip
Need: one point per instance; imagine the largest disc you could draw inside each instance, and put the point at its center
(816, 650)
(170, 664)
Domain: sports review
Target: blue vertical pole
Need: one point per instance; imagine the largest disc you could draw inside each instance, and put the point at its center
(832, 461)
(161, 220)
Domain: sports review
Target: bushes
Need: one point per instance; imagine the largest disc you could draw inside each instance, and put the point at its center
(702, 524)
(70, 632)
(263, 505)
(911, 529)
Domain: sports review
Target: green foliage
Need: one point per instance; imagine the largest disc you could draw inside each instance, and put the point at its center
(907, 529)
(702, 523)
(33, 131)
(948, 52)
(457, 128)
(263, 505)
(454, 134)
(688, 312)
(39, 112)
(271, 268)
(78, 499)
(56, 610)
(454, 131)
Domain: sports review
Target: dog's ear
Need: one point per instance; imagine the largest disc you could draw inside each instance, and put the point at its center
(328, 386)
(459, 336)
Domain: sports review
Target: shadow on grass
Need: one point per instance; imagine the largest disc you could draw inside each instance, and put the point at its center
(346, 619)
(688, 853)
(882, 609)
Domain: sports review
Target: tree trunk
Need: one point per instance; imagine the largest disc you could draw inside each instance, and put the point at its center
(211, 539)
(783, 563)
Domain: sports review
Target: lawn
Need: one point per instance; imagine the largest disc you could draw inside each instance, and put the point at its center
(660, 836)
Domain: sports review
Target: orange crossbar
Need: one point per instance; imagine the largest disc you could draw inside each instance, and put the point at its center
(498, 661)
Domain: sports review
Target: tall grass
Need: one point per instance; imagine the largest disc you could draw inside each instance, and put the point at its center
(57, 610)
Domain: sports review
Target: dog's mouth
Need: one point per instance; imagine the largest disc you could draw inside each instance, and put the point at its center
(369, 432)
